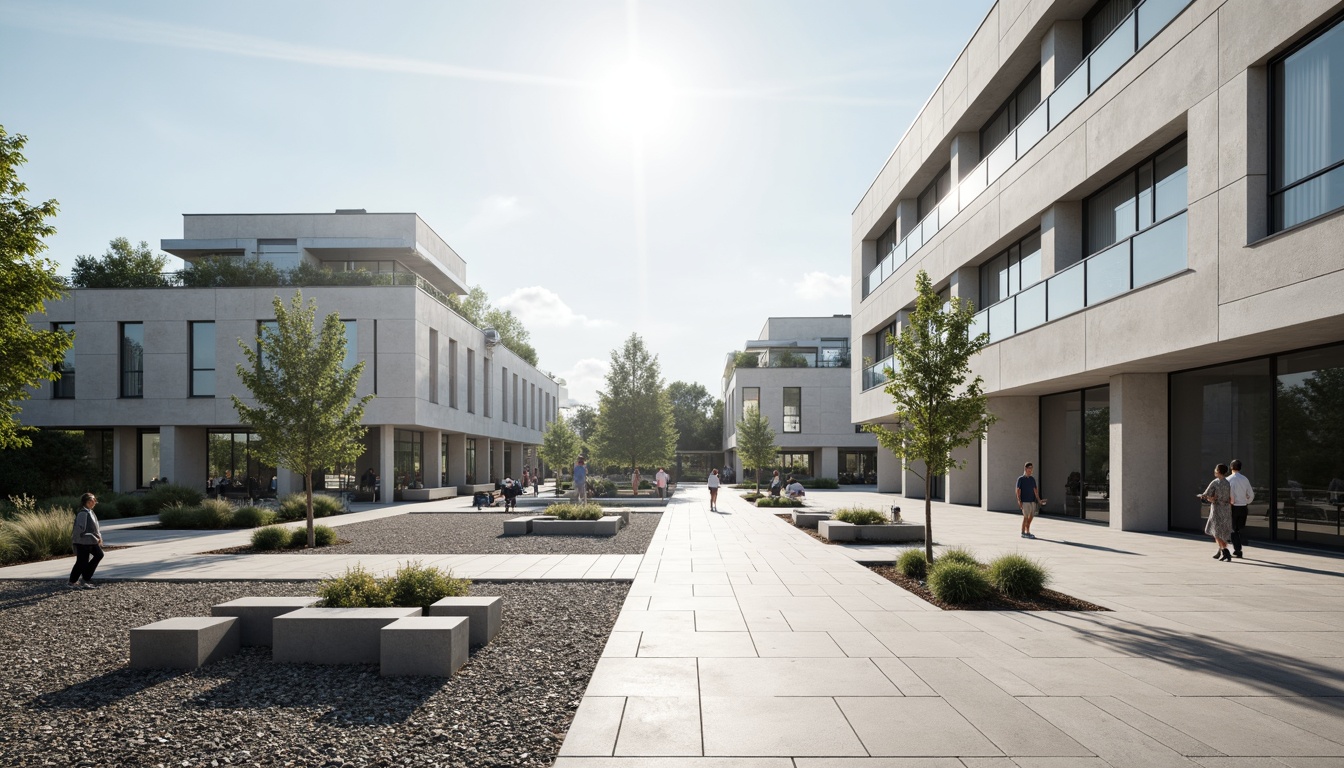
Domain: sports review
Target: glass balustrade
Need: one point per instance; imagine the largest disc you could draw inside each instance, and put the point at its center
(1031, 307)
(875, 374)
(1159, 251)
(1064, 292)
(1108, 273)
(1112, 54)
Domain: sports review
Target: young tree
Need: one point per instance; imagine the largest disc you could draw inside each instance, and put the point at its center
(123, 266)
(634, 423)
(937, 409)
(756, 443)
(559, 447)
(306, 411)
(27, 355)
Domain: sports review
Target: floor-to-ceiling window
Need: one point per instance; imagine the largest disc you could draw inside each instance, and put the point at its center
(1074, 468)
(1309, 445)
(858, 466)
(1307, 129)
(408, 447)
(147, 457)
(231, 455)
(471, 460)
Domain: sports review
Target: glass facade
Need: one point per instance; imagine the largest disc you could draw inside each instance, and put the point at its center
(133, 360)
(1151, 193)
(793, 409)
(797, 463)
(1011, 271)
(1307, 129)
(1074, 467)
(147, 457)
(203, 360)
(934, 193)
(408, 448)
(1309, 446)
(98, 442)
(1104, 17)
(1014, 109)
(751, 398)
(64, 386)
(858, 466)
(471, 461)
(229, 455)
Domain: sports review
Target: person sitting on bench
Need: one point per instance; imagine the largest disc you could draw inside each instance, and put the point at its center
(776, 485)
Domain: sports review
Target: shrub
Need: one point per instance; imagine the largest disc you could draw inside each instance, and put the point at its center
(957, 555)
(36, 535)
(603, 487)
(270, 538)
(860, 516)
(56, 463)
(753, 496)
(821, 482)
(295, 507)
(911, 563)
(956, 582)
(214, 514)
(575, 511)
(251, 517)
(180, 517)
(65, 502)
(356, 588)
(1017, 576)
(167, 495)
(415, 584)
(323, 536)
(778, 501)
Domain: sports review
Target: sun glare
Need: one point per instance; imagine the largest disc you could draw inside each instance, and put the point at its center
(638, 97)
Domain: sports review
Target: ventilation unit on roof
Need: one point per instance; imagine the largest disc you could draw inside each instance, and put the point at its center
(491, 337)
(351, 210)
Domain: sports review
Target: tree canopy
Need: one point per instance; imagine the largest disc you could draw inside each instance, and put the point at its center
(306, 412)
(937, 409)
(559, 446)
(634, 423)
(28, 355)
(697, 416)
(585, 422)
(476, 308)
(123, 266)
(756, 442)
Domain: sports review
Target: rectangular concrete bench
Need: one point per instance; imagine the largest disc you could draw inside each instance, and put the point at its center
(486, 614)
(332, 635)
(835, 530)
(184, 642)
(256, 613)
(467, 490)
(607, 526)
(427, 646)
(810, 519)
(521, 526)
(428, 494)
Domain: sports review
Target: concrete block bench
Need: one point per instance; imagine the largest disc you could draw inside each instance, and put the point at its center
(469, 489)
(183, 643)
(521, 526)
(609, 525)
(486, 615)
(810, 519)
(333, 635)
(835, 530)
(255, 614)
(428, 494)
(428, 646)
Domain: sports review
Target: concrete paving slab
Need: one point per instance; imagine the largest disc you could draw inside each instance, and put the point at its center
(1120, 745)
(913, 727)
(759, 726)
(660, 726)
(792, 677)
(1233, 729)
(643, 677)
(595, 727)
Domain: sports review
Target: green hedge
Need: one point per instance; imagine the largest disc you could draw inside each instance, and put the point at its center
(413, 585)
(778, 501)
(860, 516)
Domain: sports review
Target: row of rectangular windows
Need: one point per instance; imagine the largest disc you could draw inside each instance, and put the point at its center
(793, 406)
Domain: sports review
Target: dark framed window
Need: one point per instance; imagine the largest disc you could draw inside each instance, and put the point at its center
(202, 355)
(1074, 465)
(889, 239)
(1148, 194)
(751, 398)
(133, 360)
(935, 192)
(471, 381)
(513, 402)
(1016, 107)
(63, 388)
(264, 327)
(1104, 17)
(793, 409)
(433, 366)
(351, 343)
(471, 460)
(452, 373)
(1011, 271)
(1307, 128)
(885, 348)
(147, 457)
(797, 463)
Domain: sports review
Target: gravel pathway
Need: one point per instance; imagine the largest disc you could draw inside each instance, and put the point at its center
(481, 533)
(68, 699)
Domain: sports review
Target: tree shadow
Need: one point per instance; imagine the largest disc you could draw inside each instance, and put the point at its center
(105, 689)
(1081, 545)
(21, 594)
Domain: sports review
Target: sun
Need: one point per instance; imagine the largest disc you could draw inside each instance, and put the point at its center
(638, 98)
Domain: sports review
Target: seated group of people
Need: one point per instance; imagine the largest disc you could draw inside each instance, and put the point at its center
(792, 488)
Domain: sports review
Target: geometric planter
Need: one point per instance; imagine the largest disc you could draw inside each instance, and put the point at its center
(834, 530)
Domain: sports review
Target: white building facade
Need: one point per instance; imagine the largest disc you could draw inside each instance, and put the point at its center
(801, 381)
(152, 369)
(1142, 201)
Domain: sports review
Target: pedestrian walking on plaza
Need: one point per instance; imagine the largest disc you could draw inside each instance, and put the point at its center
(634, 482)
(713, 483)
(661, 480)
(1219, 497)
(580, 481)
(1028, 499)
(1242, 496)
(88, 543)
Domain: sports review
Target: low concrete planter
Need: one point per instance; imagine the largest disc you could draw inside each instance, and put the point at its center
(521, 526)
(810, 519)
(605, 501)
(184, 643)
(255, 615)
(428, 494)
(607, 526)
(426, 646)
(834, 530)
(486, 615)
(333, 635)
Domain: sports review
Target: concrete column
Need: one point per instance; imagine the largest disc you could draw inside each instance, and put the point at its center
(1061, 237)
(188, 458)
(1061, 50)
(1012, 441)
(963, 485)
(387, 472)
(907, 215)
(965, 284)
(965, 154)
(124, 450)
(287, 482)
(482, 470)
(433, 459)
(496, 461)
(457, 459)
(830, 463)
(1139, 492)
(888, 471)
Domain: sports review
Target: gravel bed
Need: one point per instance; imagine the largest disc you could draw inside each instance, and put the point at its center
(480, 533)
(67, 697)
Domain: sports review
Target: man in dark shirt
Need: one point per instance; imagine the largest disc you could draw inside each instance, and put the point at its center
(1028, 499)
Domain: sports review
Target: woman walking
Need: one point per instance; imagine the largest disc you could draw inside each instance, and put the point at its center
(1219, 497)
(713, 484)
(88, 541)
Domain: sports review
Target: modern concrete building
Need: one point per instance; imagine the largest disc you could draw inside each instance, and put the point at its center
(797, 373)
(152, 369)
(1142, 201)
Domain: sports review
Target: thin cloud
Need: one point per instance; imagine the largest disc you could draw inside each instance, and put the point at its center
(819, 286)
(584, 379)
(495, 212)
(541, 307)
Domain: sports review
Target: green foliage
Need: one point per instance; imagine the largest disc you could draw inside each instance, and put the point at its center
(585, 422)
(323, 536)
(270, 538)
(746, 359)
(180, 517)
(1017, 575)
(755, 442)
(306, 411)
(114, 505)
(957, 582)
(476, 308)
(911, 562)
(821, 482)
(778, 501)
(559, 445)
(860, 516)
(295, 507)
(938, 407)
(167, 495)
(36, 534)
(56, 462)
(603, 488)
(251, 517)
(28, 355)
(309, 274)
(787, 359)
(697, 416)
(575, 511)
(418, 585)
(230, 271)
(215, 514)
(123, 266)
(356, 588)
(635, 425)
(753, 496)
(958, 555)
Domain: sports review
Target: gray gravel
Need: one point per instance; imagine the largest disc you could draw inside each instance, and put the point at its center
(481, 533)
(68, 699)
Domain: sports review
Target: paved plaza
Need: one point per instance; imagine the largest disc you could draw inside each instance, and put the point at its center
(747, 643)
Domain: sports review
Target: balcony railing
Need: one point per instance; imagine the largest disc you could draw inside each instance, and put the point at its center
(1140, 26)
(1149, 256)
(875, 374)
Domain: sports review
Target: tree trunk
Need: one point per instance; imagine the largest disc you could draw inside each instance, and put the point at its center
(308, 490)
(928, 516)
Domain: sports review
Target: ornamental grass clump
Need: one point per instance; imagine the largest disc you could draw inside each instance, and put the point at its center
(251, 517)
(957, 555)
(1018, 576)
(214, 514)
(323, 536)
(911, 563)
(36, 535)
(956, 582)
(778, 501)
(575, 511)
(295, 507)
(167, 495)
(752, 496)
(356, 588)
(860, 516)
(418, 585)
(179, 517)
(270, 538)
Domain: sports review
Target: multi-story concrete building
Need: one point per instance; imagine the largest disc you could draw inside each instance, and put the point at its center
(797, 373)
(1142, 201)
(150, 375)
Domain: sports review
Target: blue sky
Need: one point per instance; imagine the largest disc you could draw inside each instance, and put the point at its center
(682, 169)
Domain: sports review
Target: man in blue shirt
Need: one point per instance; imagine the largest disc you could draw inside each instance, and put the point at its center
(1028, 499)
(580, 481)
